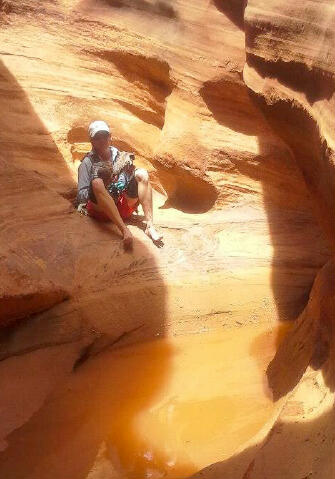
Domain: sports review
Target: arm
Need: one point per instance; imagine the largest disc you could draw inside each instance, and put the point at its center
(84, 179)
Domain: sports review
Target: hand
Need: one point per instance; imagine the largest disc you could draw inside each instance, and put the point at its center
(127, 239)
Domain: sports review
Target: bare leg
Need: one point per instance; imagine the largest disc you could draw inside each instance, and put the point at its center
(106, 204)
(145, 198)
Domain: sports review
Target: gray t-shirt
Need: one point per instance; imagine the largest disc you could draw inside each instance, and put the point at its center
(88, 170)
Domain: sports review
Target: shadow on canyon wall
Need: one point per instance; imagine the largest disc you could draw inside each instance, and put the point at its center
(299, 248)
(301, 236)
(313, 158)
(315, 83)
(33, 177)
(233, 9)
(162, 8)
(25, 142)
(149, 74)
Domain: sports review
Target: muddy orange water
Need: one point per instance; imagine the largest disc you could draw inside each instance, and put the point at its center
(165, 408)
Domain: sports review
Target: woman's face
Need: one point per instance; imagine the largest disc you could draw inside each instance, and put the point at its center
(101, 141)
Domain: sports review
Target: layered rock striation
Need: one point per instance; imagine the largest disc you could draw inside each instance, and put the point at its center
(229, 105)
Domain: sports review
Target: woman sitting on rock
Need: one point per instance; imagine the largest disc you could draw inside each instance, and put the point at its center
(111, 186)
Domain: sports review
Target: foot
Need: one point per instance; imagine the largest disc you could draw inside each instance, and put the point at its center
(153, 234)
(127, 239)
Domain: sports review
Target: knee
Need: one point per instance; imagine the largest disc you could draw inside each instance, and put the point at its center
(142, 175)
(98, 186)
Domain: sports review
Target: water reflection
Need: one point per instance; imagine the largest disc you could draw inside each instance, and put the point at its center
(164, 408)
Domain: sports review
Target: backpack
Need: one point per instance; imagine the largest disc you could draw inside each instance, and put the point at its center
(123, 173)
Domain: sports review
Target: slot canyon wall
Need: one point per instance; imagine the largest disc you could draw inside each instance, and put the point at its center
(230, 106)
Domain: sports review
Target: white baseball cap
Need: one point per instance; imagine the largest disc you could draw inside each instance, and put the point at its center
(96, 126)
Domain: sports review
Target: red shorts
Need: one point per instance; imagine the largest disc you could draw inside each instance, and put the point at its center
(122, 205)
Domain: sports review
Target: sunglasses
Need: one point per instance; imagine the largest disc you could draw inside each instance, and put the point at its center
(101, 134)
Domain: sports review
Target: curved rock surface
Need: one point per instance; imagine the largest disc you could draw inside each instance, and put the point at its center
(230, 107)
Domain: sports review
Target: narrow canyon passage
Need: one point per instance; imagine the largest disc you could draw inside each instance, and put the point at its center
(212, 357)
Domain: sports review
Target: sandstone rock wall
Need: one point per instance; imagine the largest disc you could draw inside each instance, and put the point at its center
(168, 78)
(290, 67)
(229, 105)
